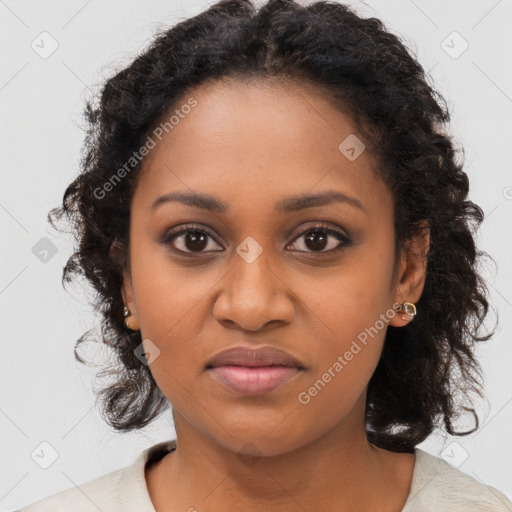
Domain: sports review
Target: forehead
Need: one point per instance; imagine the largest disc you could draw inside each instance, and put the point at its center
(258, 141)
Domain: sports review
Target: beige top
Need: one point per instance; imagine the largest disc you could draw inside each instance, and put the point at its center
(436, 487)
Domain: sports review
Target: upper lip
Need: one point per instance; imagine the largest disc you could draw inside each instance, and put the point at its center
(248, 356)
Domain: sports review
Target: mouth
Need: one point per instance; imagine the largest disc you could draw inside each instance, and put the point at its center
(255, 380)
(253, 372)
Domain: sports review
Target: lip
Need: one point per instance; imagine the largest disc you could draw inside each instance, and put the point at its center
(255, 380)
(253, 371)
(254, 357)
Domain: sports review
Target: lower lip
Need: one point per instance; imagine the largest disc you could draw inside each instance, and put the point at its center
(256, 380)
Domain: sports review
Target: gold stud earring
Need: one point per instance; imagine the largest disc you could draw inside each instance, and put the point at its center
(409, 309)
(127, 323)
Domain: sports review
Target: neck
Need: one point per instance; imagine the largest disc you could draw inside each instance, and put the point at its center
(339, 470)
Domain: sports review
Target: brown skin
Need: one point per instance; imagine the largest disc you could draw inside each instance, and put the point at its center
(250, 146)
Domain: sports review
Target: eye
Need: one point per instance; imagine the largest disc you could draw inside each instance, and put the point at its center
(190, 239)
(317, 239)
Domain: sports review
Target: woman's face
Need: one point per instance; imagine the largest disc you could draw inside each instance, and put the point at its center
(256, 274)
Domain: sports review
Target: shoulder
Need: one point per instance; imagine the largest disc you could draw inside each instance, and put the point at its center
(118, 491)
(436, 485)
(98, 494)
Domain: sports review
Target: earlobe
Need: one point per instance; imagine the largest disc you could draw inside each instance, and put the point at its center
(404, 314)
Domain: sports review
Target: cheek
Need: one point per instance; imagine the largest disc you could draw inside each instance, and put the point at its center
(351, 315)
(345, 357)
(351, 302)
(170, 305)
(168, 296)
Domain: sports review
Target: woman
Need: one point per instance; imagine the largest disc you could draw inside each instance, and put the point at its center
(279, 232)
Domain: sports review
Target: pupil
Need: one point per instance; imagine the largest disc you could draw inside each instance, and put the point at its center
(195, 237)
(314, 237)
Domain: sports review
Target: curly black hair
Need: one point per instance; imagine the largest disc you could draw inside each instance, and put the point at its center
(427, 369)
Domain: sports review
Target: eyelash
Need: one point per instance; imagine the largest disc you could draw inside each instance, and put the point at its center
(171, 235)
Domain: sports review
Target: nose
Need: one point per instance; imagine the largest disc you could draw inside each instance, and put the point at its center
(254, 294)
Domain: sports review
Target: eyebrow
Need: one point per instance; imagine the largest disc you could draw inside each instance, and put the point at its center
(288, 205)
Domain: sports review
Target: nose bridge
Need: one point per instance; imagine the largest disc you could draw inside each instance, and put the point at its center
(251, 272)
(250, 296)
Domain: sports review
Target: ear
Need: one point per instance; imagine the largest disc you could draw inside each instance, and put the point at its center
(412, 272)
(118, 254)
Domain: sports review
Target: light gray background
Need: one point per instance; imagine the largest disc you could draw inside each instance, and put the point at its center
(45, 396)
